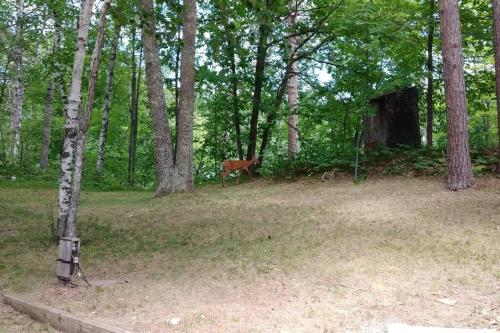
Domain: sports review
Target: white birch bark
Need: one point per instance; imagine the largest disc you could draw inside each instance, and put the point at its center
(71, 122)
(107, 103)
(17, 92)
(87, 113)
(293, 119)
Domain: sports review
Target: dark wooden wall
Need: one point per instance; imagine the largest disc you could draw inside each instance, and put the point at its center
(395, 121)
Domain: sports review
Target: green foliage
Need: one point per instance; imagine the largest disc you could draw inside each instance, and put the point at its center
(370, 47)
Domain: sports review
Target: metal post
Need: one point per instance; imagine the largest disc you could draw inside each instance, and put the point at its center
(357, 158)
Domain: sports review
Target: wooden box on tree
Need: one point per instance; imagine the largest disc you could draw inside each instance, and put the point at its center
(69, 253)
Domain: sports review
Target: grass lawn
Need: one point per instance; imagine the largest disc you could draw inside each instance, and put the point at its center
(266, 256)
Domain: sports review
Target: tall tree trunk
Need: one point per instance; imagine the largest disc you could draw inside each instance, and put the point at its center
(293, 119)
(107, 102)
(184, 146)
(176, 79)
(87, 112)
(257, 94)
(459, 164)
(134, 99)
(4, 79)
(430, 73)
(17, 81)
(496, 35)
(164, 162)
(71, 123)
(171, 177)
(44, 155)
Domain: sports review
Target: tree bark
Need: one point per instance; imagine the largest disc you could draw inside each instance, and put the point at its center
(17, 82)
(184, 146)
(430, 73)
(167, 180)
(257, 94)
(71, 123)
(134, 99)
(107, 102)
(171, 176)
(496, 38)
(87, 113)
(177, 79)
(459, 164)
(293, 119)
(4, 79)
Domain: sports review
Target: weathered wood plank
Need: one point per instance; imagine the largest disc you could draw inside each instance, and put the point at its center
(61, 320)
(64, 263)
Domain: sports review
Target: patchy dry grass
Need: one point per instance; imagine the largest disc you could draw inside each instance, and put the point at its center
(13, 321)
(268, 256)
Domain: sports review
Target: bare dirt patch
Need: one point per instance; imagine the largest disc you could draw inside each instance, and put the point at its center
(306, 256)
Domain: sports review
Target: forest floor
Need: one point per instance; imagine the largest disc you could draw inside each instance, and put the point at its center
(267, 256)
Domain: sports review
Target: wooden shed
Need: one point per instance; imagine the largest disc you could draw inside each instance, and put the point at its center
(395, 121)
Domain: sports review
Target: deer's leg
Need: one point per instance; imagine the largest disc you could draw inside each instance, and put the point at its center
(248, 172)
(223, 174)
(238, 179)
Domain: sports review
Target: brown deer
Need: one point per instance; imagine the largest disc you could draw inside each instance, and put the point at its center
(240, 165)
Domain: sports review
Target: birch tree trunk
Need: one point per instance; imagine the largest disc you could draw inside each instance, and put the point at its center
(44, 156)
(17, 94)
(459, 164)
(430, 74)
(293, 119)
(107, 103)
(4, 79)
(184, 145)
(87, 113)
(71, 122)
(496, 42)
